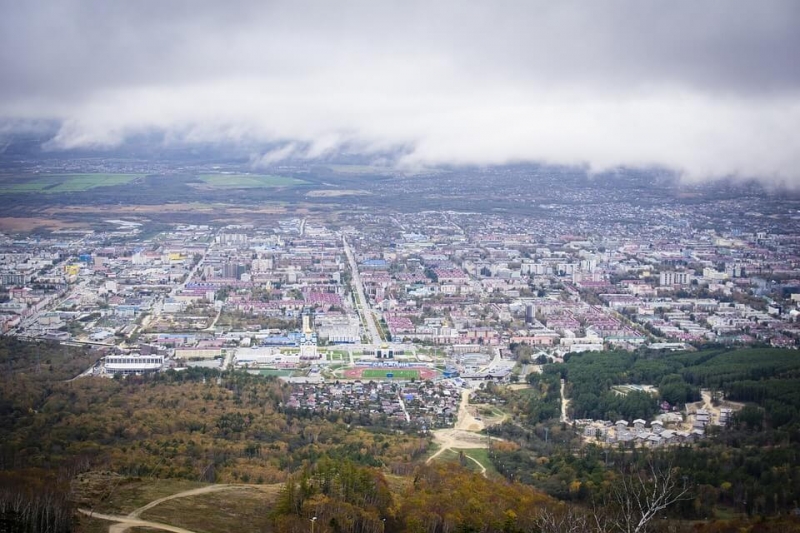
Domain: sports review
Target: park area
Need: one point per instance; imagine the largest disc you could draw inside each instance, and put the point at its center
(61, 183)
(384, 373)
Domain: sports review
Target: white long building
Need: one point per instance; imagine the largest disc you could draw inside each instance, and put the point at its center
(133, 364)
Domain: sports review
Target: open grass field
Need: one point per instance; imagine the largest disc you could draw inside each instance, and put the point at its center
(248, 181)
(482, 456)
(240, 509)
(398, 373)
(275, 372)
(227, 508)
(60, 183)
(478, 455)
(119, 495)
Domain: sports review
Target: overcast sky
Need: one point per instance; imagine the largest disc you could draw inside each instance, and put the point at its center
(709, 89)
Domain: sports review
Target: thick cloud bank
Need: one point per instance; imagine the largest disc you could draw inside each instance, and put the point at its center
(709, 89)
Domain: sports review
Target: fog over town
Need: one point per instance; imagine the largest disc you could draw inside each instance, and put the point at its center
(379, 267)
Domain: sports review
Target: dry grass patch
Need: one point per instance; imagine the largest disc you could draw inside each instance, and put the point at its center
(27, 224)
(113, 494)
(235, 509)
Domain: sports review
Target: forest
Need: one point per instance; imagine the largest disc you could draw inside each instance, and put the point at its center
(353, 473)
(749, 467)
(767, 377)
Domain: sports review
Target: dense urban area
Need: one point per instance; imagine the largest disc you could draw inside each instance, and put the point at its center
(399, 267)
(534, 328)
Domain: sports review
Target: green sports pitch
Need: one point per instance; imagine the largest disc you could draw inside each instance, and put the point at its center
(397, 373)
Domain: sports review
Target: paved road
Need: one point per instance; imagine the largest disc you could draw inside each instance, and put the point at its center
(216, 319)
(362, 304)
(495, 362)
(192, 272)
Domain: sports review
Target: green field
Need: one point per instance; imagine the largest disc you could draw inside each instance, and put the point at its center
(248, 181)
(275, 372)
(398, 373)
(481, 455)
(57, 183)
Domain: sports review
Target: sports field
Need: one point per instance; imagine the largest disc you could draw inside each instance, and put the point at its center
(248, 181)
(59, 183)
(397, 373)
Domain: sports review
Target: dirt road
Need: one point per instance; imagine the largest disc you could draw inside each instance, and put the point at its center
(464, 434)
(483, 468)
(185, 494)
(564, 404)
(123, 523)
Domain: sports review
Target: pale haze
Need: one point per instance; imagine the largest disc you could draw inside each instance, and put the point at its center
(707, 89)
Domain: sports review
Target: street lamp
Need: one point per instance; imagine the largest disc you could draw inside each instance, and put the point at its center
(383, 525)
(312, 524)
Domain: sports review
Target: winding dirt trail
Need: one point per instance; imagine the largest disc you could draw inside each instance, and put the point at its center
(464, 434)
(124, 522)
(185, 494)
(483, 468)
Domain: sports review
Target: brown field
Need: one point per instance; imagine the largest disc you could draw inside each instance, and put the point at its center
(240, 509)
(77, 217)
(26, 224)
(144, 210)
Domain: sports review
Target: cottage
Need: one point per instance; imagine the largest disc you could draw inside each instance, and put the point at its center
(654, 440)
(668, 436)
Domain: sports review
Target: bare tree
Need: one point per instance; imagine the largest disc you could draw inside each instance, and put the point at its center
(637, 498)
(629, 507)
(567, 520)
